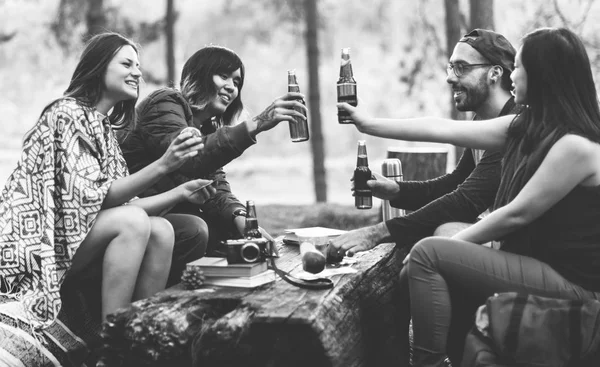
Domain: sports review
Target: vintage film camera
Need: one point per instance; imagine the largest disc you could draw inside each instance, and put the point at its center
(247, 250)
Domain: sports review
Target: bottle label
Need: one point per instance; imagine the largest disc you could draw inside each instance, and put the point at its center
(347, 93)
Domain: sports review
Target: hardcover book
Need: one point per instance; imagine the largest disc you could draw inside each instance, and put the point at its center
(218, 267)
(265, 277)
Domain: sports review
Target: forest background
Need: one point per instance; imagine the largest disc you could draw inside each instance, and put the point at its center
(399, 49)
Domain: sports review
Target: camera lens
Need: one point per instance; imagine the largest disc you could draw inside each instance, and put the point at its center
(250, 252)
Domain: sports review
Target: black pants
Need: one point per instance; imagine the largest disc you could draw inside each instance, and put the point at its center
(449, 279)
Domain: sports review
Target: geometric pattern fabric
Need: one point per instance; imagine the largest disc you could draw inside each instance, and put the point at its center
(50, 201)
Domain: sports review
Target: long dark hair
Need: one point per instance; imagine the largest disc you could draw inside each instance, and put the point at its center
(561, 99)
(87, 83)
(197, 84)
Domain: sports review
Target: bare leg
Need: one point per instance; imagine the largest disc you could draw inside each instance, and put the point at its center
(154, 270)
(119, 236)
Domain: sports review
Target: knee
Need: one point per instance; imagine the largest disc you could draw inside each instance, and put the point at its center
(193, 229)
(191, 236)
(423, 253)
(450, 229)
(162, 234)
(133, 221)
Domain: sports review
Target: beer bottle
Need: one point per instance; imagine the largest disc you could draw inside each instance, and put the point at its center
(363, 197)
(298, 127)
(346, 87)
(251, 229)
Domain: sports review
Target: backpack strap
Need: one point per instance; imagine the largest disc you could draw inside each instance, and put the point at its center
(511, 339)
(575, 309)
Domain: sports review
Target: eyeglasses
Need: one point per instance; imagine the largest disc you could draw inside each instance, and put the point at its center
(459, 68)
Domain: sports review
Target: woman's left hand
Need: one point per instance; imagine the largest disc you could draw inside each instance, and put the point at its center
(198, 191)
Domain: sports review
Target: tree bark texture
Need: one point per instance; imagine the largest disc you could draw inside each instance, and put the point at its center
(482, 14)
(316, 131)
(95, 18)
(170, 42)
(355, 323)
(453, 34)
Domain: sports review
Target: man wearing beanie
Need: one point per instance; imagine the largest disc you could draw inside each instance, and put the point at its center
(479, 74)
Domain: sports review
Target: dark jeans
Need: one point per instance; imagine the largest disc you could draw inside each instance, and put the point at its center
(449, 279)
(191, 239)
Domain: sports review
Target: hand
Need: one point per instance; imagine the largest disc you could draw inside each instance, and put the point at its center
(198, 191)
(360, 119)
(382, 187)
(284, 108)
(184, 146)
(352, 242)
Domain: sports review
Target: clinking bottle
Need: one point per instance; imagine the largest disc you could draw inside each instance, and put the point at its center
(363, 197)
(346, 87)
(298, 127)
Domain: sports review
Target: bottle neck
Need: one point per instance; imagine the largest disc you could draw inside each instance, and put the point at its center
(251, 227)
(362, 160)
(346, 71)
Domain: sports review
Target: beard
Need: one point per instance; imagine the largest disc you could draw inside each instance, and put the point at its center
(473, 96)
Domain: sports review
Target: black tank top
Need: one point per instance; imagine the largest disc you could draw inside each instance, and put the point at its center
(567, 237)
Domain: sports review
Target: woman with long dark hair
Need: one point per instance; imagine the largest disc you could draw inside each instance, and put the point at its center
(548, 205)
(71, 203)
(209, 100)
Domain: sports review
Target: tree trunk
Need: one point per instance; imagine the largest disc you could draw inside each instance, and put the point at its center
(96, 21)
(317, 142)
(453, 34)
(482, 14)
(170, 39)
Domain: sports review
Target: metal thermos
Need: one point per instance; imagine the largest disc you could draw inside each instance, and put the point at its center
(392, 169)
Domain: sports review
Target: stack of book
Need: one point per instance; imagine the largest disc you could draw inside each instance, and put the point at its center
(217, 271)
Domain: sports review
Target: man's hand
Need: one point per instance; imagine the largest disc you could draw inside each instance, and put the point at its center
(363, 239)
(383, 188)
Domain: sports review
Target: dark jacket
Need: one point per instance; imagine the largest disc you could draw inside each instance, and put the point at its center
(459, 196)
(161, 117)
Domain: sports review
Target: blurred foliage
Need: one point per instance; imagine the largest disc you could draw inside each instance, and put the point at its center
(397, 50)
(70, 28)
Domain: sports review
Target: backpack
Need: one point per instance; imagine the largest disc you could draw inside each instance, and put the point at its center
(514, 329)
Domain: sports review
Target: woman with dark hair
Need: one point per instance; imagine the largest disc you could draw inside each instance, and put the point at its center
(548, 205)
(70, 202)
(210, 101)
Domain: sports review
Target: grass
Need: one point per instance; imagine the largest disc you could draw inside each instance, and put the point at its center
(275, 218)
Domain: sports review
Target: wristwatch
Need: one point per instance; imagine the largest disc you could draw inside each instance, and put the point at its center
(239, 213)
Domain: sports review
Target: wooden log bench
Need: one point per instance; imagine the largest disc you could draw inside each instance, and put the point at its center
(353, 324)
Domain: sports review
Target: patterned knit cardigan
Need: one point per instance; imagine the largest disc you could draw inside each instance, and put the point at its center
(50, 202)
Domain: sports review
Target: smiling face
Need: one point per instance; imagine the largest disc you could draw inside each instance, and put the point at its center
(471, 89)
(227, 90)
(122, 77)
(519, 79)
